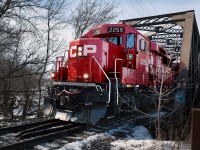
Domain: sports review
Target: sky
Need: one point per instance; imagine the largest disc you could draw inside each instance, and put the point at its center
(130, 9)
(142, 8)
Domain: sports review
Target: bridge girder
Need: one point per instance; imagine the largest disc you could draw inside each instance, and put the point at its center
(181, 28)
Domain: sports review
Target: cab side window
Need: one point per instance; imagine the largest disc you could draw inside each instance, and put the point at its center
(130, 39)
(142, 44)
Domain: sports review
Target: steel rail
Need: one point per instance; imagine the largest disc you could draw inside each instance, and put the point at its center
(42, 127)
(17, 128)
(45, 131)
(40, 139)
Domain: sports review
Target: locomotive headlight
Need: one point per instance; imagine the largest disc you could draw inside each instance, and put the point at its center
(80, 48)
(86, 76)
(80, 53)
(53, 75)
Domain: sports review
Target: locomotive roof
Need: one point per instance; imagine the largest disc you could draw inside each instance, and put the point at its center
(106, 30)
(110, 30)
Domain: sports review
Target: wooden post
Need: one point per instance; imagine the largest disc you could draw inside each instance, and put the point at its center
(195, 129)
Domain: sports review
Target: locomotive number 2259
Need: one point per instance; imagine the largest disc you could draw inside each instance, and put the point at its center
(115, 29)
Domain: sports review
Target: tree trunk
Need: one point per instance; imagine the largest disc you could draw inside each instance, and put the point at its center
(45, 64)
(159, 136)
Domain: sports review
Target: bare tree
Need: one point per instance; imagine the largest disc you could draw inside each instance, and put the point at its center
(18, 46)
(54, 22)
(12, 8)
(90, 13)
(29, 28)
(173, 125)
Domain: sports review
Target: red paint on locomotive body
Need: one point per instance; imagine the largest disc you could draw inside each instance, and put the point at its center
(99, 48)
(108, 61)
(81, 60)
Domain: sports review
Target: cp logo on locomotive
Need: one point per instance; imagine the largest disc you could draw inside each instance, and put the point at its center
(86, 50)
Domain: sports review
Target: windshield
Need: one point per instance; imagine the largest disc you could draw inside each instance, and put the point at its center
(130, 40)
(116, 40)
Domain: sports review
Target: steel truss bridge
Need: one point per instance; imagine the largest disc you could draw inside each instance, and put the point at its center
(178, 33)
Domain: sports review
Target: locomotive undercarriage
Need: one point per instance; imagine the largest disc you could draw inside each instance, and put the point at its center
(89, 102)
(82, 104)
(128, 99)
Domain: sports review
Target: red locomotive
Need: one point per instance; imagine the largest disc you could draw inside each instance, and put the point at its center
(104, 70)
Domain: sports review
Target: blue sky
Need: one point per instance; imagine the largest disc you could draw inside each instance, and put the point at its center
(141, 8)
(129, 9)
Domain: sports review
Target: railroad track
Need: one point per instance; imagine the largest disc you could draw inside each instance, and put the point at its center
(38, 132)
(125, 117)
(27, 135)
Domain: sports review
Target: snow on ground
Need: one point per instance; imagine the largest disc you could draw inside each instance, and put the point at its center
(155, 114)
(124, 137)
(117, 137)
(79, 144)
(140, 139)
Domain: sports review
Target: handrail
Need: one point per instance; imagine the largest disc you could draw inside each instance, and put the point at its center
(98, 86)
(117, 79)
(69, 92)
(109, 92)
